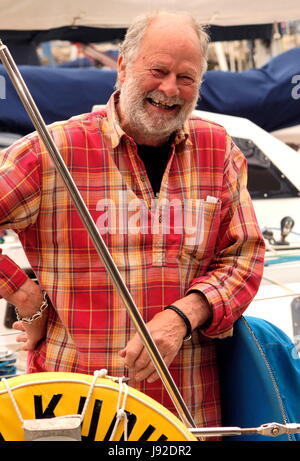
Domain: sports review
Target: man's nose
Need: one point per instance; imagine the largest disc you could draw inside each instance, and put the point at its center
(169, 85)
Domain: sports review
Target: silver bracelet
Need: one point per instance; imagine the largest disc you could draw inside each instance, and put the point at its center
(37, 315)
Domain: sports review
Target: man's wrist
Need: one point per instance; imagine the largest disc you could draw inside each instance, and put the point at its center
(181, 314)
(28, 319)
(200, 310)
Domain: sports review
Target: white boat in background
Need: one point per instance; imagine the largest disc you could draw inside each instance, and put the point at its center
(278, 298)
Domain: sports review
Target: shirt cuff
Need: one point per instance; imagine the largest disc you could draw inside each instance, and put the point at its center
(220, 324)
(12, 277)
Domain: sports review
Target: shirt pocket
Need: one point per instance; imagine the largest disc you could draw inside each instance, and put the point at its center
(201, 227)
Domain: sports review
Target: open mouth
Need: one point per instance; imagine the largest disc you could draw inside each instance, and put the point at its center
(162, 105)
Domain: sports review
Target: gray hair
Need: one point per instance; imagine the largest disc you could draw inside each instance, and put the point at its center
(136, 31)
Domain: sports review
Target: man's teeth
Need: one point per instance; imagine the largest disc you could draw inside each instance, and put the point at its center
(162, 104)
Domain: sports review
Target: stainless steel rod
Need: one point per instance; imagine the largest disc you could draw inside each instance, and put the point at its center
(269, 430)
(222, 431)
(95, 236)
(215, 431)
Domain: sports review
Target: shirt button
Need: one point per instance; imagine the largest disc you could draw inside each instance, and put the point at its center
(160, 218)
(143, 178)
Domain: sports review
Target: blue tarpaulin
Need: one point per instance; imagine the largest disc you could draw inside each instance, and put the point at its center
(59, 93)
(259, 370)
(269, 96)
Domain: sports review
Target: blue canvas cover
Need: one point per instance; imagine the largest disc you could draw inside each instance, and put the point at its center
(59, 93)
(269, 96)
(260, 378)
(264, 95)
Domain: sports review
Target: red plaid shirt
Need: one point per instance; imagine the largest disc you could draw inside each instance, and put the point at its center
(200, 233)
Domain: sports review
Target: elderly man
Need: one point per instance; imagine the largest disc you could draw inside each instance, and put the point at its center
(168, 193)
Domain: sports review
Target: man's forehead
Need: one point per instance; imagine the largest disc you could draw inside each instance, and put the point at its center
(170, 27)
(167, 54)
(163, 38)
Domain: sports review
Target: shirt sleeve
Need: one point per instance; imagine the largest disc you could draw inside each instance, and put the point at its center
(19, 204)
(236, 269)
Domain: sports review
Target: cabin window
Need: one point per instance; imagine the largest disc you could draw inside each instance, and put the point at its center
(265, 180)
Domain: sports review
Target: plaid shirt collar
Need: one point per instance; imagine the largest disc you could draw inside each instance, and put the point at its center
(115, 132)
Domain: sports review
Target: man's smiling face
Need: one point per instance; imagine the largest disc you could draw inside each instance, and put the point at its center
(160, 88)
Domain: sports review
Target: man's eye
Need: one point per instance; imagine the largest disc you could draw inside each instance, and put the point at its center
(157, 72)
(186, 80)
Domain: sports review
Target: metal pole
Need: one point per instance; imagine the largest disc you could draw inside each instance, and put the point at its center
(268, 430)
(95, 236)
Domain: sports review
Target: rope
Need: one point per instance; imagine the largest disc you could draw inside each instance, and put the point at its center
(120, 411)
(13, 401)
(98, 373)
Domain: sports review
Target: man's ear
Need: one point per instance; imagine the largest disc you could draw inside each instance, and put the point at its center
(121, 69)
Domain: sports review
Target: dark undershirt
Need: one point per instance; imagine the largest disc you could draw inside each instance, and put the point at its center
(155, 159)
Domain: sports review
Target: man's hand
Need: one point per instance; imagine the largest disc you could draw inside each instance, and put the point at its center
(167, 330)
(28, 299)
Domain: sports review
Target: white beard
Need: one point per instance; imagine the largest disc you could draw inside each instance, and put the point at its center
(136, 116)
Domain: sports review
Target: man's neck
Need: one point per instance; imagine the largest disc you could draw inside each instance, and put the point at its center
(146, 140)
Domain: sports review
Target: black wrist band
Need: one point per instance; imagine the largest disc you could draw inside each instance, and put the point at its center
(185, 319)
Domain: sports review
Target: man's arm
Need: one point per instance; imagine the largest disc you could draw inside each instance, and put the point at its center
(236, 269)
(19, 207)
